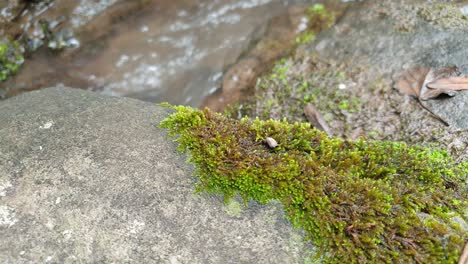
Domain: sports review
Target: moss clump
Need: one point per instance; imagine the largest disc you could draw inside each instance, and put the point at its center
(11, 58)
(358, 201)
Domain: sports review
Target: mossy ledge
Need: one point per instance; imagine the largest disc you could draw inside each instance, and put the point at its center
(358, 201)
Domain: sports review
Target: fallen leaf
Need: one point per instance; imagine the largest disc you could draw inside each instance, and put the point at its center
(411, 81)
(424, 83)
(316, 119)
(451, 83)
(433, 76)
(434, 93)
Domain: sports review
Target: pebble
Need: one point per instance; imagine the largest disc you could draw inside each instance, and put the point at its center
(271, 142)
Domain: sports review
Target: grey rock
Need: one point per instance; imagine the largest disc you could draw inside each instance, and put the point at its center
(372, 33)
(89, 178)
(453, 110)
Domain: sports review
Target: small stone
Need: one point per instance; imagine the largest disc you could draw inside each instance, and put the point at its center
(53, 44)
(271, 142)
(73, 43)
(144, 28)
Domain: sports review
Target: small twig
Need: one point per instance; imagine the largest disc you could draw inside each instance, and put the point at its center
(432, 113)
(316, 119)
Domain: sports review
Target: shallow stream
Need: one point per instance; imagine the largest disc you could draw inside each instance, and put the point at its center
(173, 51)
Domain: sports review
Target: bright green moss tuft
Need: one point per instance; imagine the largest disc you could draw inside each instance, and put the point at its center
(11, 58)
(358, 201)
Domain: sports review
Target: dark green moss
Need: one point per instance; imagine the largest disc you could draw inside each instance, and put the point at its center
(358, 201)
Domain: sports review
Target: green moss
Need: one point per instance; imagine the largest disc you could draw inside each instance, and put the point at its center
(11, 58)
(358, 201)
(285, 90)
(305, 38)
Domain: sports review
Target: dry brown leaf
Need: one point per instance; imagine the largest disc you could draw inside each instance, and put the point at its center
(414, 82)
(316, 119)
(450, 83)
(435, 75)
(411, 81)
(425, 83)
(428, 93)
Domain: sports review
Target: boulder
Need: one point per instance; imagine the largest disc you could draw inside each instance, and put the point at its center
(91, 178)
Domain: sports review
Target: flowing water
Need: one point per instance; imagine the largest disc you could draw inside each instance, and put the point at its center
(178, 53)
(172, 51)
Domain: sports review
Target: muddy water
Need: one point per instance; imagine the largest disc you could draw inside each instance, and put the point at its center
(173, 51)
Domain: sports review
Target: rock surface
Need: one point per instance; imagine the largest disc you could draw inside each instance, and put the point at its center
(377, 39)
(89, 178)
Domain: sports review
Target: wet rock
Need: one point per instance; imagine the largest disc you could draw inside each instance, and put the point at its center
(63, 39)
(241, 76)
(9, 10)
(58, 25)
(90, 178)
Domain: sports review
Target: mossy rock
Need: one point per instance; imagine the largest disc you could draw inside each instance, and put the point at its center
(358, 201)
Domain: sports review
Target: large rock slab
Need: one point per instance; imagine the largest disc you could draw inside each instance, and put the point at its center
(89, 178)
